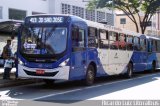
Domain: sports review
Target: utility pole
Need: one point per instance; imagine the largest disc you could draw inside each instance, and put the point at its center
(113, 12)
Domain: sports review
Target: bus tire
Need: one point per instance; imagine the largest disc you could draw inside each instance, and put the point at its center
(49, 82)
(90, 75)
(129, 73)
(153, 66)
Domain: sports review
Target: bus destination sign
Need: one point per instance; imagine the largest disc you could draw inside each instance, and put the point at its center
(35, 20)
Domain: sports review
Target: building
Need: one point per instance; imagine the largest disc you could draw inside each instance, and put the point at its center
(13, 12)
(123, 21)
(155, 27)
(18, 9)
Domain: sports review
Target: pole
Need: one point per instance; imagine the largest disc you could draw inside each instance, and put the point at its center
(112, 12)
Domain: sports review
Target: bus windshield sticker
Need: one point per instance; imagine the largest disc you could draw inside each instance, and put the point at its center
(29, 46)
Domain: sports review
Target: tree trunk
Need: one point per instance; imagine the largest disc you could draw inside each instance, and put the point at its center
(143, 28)
(137, 29)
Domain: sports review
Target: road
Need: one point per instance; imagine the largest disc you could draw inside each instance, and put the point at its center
(143, 86)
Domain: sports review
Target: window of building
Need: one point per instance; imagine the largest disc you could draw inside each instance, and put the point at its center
(90, 15)
(17, 14)
(123, 21)
(110, 19)
(78, 11)
(1, 13)
(66, 8)
(100, 16)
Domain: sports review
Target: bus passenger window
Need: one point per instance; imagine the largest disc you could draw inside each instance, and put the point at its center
(113, 40)
(122, 41)
(92, 37)
(129, 42)
(158, 46)
(136, 44)
(142, 45)
(154, 45)
(78, 39)
(103, 41)
(81, 38)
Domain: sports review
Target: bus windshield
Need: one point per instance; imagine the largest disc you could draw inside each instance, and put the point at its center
(43, 40)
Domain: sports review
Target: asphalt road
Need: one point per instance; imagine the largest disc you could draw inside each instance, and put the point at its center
(143, 86)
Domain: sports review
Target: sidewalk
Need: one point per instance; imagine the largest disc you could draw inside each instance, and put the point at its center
(13, 81)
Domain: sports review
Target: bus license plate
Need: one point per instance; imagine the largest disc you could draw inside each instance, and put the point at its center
(40, 72)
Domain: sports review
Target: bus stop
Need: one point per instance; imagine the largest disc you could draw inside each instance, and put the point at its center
(8, 29)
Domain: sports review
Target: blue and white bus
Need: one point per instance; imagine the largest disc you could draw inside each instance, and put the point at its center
(66, 47)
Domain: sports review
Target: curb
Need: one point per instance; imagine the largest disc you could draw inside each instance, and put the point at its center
(15, 82)
(11, 83)
(18, 82)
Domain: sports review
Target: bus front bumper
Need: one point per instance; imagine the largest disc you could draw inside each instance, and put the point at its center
(56, 73)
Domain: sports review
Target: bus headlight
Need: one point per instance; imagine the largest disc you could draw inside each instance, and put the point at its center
(20, 62)
(64, 63)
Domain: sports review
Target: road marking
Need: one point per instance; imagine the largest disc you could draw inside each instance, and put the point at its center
(94, 86)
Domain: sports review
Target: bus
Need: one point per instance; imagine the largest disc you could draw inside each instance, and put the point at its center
(67, 47)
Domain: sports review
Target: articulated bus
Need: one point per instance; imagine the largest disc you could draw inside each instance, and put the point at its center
(66, 47)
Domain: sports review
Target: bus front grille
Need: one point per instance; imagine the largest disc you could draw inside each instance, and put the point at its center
(48, 74)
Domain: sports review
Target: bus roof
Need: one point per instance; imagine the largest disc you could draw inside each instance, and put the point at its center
(98, 25)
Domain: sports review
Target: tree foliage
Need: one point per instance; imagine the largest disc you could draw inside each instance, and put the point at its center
(131, 8)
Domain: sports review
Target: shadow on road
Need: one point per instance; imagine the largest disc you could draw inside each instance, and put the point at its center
(80, 92)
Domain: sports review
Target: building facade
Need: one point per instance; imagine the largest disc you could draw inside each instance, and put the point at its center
(12, 11)
(18, 9)
(122, 21)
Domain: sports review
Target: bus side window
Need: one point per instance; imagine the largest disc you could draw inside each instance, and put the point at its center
(122, 41)
(149, 46)
(142, 45)
(129, 42)
(78, 37)
(92, 37)
(74, 37)
(136, 44)
(158, 46)
(113, 40)
(154, 45)
(103, 39)
(81, 38)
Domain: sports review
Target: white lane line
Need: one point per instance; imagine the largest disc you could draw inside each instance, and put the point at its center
(94, 86)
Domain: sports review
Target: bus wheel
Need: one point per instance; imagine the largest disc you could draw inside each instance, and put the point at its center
(129, 73)
(90, 75)
(153, 67)
(49, 82)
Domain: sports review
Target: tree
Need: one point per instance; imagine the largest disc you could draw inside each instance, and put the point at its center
(131, 8)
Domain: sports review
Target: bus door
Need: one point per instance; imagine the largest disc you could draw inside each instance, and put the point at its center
(79, 54)
(140, 54)
(114, 59)
(123, 54)
(103, 51)
(144, 54)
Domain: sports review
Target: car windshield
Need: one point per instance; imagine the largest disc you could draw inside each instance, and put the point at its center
(43, 40)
